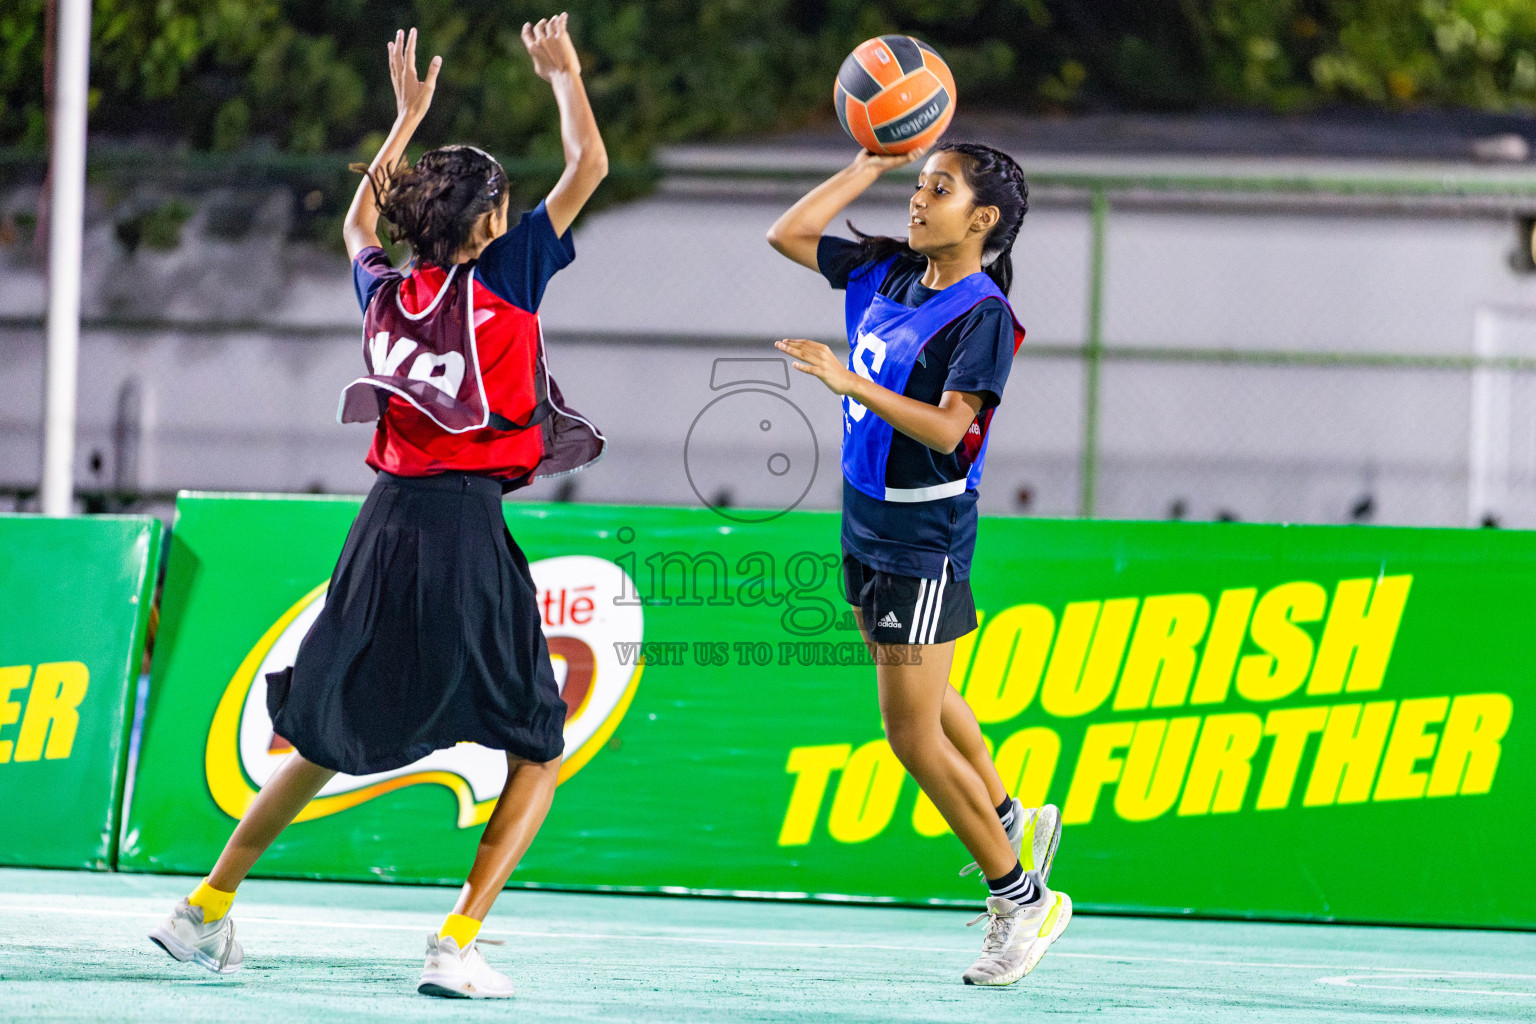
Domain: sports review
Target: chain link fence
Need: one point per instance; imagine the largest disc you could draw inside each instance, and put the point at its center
(1323, 346)
(1315, 351)
(1313, 347)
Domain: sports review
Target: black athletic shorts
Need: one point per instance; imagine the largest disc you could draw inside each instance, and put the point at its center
(909, 609)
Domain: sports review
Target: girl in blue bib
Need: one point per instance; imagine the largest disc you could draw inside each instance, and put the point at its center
(931, 337)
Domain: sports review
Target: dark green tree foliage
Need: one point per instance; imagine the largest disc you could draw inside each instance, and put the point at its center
(309, 76)
(1289, 54)
(21, 72)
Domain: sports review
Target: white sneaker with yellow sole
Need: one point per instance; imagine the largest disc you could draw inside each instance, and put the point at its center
(1018, 936)
(1040, 827)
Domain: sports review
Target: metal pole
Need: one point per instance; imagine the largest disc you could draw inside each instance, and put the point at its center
(66, 224)
(1093, 357)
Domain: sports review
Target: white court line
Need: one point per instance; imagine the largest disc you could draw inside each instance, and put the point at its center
(1295, 967)
(248, 919)
(1347, 981)
(702, 941)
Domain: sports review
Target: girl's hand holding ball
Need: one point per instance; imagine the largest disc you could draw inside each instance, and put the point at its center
(882, 162)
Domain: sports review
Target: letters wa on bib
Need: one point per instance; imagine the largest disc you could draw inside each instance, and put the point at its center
(430, 634)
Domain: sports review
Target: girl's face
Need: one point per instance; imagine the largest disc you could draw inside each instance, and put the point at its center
(942, 212)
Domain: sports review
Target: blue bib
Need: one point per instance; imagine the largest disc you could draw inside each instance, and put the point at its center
(885, 338)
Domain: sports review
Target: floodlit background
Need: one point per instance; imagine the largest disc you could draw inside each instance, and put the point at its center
(1278, 268)
(1277, 265)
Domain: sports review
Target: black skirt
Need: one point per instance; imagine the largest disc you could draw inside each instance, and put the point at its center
(430, 636)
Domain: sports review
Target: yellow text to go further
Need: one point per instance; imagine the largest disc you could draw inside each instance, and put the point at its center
(1350, 753)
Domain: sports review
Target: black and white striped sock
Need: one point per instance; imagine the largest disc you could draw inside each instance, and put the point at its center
(1018, 885)
(1005, 811)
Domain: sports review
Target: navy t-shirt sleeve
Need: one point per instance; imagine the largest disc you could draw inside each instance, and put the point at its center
(837, 259)
(983, 353)
(370, 269)
(520, 263)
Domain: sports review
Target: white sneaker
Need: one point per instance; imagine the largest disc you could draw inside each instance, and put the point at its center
(460, 974)
(1043, 827)
(1018, 936)
(186, 937)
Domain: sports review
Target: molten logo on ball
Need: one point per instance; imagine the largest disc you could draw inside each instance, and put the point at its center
(894, 94)
(582, 624)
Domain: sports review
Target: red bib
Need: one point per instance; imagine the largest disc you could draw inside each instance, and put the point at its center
(462, 384)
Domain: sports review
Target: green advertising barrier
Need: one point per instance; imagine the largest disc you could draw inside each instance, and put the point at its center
(74, 598)
(1291, 722)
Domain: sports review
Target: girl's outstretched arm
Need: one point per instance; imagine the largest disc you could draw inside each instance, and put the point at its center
(412, 98)
(586, 159)
(941, 427)
(797, 233)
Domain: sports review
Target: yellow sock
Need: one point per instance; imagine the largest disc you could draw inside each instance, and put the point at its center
(460, 929)
(215, 904)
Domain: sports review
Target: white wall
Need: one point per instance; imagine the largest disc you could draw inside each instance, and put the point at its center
(256, 410)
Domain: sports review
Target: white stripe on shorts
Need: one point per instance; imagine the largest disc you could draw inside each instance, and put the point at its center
(938, 604)
(922, 591)
(924, 609)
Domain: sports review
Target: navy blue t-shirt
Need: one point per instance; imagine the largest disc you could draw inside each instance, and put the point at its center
(516, 265)
(972, 353)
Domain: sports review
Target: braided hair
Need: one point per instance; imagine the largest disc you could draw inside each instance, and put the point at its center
(995, 180)
(434, 205)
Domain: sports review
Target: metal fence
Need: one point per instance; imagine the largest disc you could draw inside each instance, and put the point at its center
(1138, 391)
(1315, 346)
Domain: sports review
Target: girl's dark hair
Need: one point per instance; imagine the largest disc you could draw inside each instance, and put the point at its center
(433, 206)
(995, 180)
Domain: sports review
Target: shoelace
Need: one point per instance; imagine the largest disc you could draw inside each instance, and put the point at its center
(996, 939)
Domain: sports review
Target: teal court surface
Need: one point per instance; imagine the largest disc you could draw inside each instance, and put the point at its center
(73, 947)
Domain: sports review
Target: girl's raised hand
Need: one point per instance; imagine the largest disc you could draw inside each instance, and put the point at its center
(412, 95)
(882, 163)
(816, 359)
(549, 44)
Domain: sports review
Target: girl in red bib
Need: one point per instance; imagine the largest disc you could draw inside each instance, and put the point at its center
(430, 634)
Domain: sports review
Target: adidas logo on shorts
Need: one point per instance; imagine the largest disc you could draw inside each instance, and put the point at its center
(889, 621)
